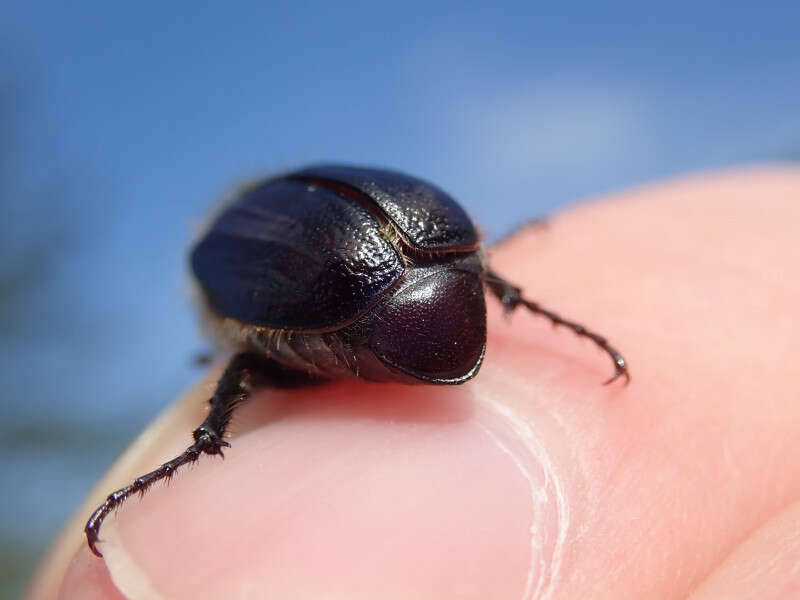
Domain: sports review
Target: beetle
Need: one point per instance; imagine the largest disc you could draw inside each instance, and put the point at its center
(341, 271)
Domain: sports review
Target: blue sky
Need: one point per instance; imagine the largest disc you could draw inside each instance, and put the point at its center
(125, 123)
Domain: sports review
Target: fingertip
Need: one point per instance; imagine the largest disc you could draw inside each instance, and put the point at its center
(366, 494)
(87, 578)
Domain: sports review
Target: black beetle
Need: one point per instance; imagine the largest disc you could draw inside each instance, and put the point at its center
(337, 271)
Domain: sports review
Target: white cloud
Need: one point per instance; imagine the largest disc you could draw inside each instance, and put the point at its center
(553, 126)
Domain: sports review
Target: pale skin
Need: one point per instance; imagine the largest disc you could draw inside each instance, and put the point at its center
(533, 480)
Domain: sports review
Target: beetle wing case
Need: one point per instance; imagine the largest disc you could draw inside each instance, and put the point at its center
(428, 218)
(292, 255)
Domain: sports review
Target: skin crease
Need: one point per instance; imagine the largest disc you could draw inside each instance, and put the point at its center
(683, 484)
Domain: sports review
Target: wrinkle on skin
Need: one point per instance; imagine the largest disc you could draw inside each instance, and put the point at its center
(547, 496)
(765, 565)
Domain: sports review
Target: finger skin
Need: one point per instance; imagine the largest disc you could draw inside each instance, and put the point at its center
(85, 580)
(765, 566)
(656, 484)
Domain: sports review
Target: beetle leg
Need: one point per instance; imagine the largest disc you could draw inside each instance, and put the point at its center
(511, 297)
(233, 388)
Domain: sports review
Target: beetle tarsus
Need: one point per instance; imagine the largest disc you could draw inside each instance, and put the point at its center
(510, 296)
(620, 368)
(233, 388)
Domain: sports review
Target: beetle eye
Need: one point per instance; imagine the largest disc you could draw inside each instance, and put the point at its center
(434, 329)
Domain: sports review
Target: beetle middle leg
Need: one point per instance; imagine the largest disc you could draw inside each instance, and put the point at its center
(234, 387)
(511, 297)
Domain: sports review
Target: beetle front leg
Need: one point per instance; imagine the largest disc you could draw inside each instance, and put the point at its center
(233, 388)
(511, 297)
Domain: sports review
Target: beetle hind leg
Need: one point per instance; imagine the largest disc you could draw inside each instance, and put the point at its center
(510, 296)
(233, 388)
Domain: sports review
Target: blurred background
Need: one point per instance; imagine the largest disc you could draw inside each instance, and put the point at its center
(121, 126)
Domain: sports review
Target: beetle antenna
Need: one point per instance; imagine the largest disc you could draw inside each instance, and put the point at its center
(233, 388)
(510, 296)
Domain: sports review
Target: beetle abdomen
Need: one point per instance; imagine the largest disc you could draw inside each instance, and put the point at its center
(321, 354)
